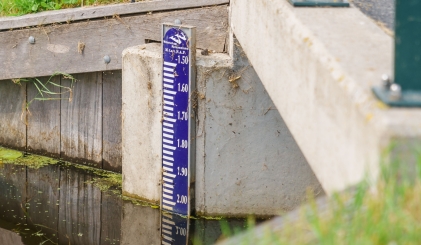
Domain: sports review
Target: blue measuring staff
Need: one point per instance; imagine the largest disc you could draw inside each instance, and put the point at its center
(178, 118)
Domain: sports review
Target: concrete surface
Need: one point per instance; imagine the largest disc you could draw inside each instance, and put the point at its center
(250, 161)
(141, 126)
(246, 161)
(318, 66)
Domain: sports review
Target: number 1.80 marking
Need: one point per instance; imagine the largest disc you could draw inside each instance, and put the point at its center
(182, 143)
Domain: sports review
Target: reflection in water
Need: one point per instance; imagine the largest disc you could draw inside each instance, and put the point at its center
(9, 237)
(174, 229)
(60, 204)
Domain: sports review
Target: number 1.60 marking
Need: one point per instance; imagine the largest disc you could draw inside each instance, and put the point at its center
(182, 87)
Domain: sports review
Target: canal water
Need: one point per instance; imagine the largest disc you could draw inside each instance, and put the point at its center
(59, 203)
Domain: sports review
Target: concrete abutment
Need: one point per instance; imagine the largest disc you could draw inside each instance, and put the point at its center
(247, 161)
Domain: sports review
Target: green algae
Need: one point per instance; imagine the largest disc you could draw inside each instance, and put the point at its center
(106, 180)
(8, 156)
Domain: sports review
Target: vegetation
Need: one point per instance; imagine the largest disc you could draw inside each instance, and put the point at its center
(8, 156)
(104, 180)
(387, 213)
(49, 89)
(21, 7)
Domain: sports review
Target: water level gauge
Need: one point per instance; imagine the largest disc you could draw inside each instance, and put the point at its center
(178, 122)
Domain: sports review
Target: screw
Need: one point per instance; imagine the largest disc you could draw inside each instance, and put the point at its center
(31, 40)
(107, 59)
(395, 92)
(177, 22)
(386, 81)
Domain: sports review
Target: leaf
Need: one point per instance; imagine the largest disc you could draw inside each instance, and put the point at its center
(35, 7)
(39, 90)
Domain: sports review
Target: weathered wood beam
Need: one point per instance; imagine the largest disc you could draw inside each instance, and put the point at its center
(13, 114)
(43, 120)
(80, 47)
(85, 13)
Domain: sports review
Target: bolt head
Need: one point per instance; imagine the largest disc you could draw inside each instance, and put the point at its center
(395, 91)
(107, 59)
(177, 22)
(31, 40)
(386, 81)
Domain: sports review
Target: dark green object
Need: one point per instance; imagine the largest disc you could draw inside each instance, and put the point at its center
(408, 44)
(407, 55)
(319, 3)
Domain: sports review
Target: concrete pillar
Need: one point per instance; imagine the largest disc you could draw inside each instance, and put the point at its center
(247, 160)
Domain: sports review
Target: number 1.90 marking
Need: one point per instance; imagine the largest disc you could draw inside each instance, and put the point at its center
(182, 171)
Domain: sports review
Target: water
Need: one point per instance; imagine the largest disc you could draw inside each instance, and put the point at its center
(61, 204)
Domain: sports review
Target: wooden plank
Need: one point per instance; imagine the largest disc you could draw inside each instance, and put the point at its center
(43, 197)
(111, 217)
(56, 47)
(43, 128)
(12, 115)
(81, 120)
(111, 106)
(77, 14)
(13, 193)
(79, 211)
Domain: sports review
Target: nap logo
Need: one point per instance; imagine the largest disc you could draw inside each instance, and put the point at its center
(178, 38)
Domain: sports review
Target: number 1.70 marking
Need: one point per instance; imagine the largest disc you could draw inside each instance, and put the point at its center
(182, 115)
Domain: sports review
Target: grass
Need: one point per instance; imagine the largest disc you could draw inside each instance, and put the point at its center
(47, 90)
(21, 7)
(387, 213)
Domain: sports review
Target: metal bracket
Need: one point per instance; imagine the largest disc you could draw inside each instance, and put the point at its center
(406, 91)
(319, 3)
(391, 94)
